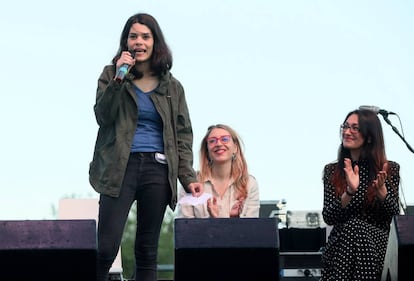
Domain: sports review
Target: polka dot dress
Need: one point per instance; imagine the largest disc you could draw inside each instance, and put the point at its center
(358, 240)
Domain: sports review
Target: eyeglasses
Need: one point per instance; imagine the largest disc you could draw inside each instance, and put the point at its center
(354, 128)
(214, 140)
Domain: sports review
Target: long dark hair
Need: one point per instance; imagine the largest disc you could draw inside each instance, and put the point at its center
(372, 151)
(161, 59)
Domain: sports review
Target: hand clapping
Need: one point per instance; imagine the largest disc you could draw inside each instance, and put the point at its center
(352, 175)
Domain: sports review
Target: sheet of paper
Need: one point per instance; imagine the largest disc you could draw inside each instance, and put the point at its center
(192, 200)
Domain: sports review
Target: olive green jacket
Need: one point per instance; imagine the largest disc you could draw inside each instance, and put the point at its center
(117, 114)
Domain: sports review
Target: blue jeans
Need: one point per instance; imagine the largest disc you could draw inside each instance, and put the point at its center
(146, 181)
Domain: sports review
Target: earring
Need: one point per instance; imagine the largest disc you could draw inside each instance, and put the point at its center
(233, 156)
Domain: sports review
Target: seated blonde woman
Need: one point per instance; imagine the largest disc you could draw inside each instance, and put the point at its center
(224, 174)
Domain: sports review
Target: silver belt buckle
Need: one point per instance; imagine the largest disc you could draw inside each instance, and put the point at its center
(160, 158)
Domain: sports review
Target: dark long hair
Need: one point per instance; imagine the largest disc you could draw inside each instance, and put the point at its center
(161, 59)
(372, 151)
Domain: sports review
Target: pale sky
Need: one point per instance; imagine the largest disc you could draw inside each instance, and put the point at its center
(283, 74)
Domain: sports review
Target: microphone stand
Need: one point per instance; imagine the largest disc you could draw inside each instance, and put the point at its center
(385, 116)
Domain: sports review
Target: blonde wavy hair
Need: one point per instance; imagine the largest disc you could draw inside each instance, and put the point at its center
(239, 170)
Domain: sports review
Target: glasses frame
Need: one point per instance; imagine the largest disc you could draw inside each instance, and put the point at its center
(353, 128)
(211, 141)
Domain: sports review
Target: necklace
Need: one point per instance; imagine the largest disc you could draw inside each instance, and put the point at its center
(221, 187)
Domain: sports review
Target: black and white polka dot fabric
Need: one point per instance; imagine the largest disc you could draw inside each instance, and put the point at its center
(358, 240)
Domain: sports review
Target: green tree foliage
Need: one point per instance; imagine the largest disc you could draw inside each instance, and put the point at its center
(127, 245)
(166, 246)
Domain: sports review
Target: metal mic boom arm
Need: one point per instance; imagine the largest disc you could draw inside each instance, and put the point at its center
(385, 116)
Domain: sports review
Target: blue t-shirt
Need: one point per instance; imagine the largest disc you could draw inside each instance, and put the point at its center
(148, 135)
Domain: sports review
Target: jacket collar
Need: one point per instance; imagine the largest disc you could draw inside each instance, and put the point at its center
(164, 82)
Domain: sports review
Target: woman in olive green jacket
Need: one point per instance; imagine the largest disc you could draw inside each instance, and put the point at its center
(144, 144)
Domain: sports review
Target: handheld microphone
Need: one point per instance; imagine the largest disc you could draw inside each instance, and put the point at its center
(377, 110)
(124, 69)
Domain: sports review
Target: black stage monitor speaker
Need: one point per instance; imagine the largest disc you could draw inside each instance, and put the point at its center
(48, 250)
(409, 210)
(400, 250)
(226, 249)
(302, 239)
(269, 209)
